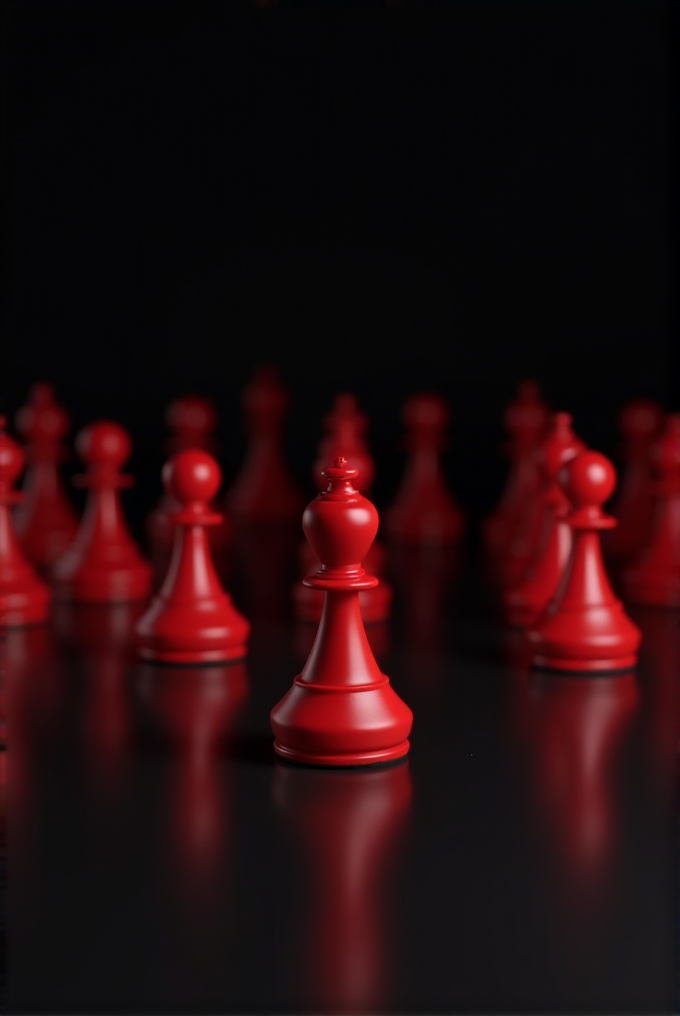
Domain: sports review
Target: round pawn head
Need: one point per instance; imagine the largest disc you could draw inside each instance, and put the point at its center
(640, 419)
(191, 418)
(559, 447)
(104, 445)
(425, 412)
(191, 476)
(525, 417)
(588, 480)
(11, 459)
(665, 453)
(42, 420)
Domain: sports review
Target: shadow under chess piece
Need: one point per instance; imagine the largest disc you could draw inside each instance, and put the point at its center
(45, 521)
(192, 619)
(584, 628)
(24, 597)
(341, 709)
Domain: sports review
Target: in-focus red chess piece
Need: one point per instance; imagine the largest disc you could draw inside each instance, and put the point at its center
(525, 420)
(191, 420)
(341, 710)
(524, 601)
(423, 510)
(192, 619)
(45, 521)
(346, 826)
(640, 423)
(653, 577)
(103, 564)
(584, 628)
(24, 598)
(264, 491)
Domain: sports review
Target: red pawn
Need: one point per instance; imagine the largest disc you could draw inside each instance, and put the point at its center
(584, 627)
(423, 511)
(640, 422)
(653, 578)
(191, 420)
(102, 564)
(192, 619)
(524, 601)
(45, 522)
(525, 421)
(24, 599)
(341, 710)
(251, 499)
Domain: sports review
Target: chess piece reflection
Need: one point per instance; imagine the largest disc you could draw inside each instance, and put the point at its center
(345, 825)
(660, 680)
(194, 708)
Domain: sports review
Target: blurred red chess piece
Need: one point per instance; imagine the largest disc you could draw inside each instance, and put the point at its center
(423, 510)
(640, 422)
(24, 598)
(191, 420)
(345, 427)
(45, 521)
(584, 627)
(659, 676)
(341, 710)
(192, 619)
(524, 600)
(525, 420)
(653, 577)
(346, 825)
(264, 491)
(102, 564)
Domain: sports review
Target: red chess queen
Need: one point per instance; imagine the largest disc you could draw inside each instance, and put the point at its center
(341, 710)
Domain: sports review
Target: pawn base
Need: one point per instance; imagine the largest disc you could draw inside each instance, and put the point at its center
(346, 760)
(618, 663)
(227, 655)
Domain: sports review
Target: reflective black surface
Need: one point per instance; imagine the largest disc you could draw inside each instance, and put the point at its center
(523, 859)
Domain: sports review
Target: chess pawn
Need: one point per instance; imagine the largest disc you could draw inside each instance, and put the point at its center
(192, 619)
(102, 564)
(251, 497)
(345, 427)
(524, 601)
(584, 627)
(341, 710)
(640, 422)
(191, 420)
(45, 522)
(423, 511)
(24, 598)
(653, 578)
(524, 420)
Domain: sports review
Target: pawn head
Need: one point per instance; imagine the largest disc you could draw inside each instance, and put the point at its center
(104, 444)
(588, 479)
(11, 458)
(425, 411)
(665, 453)
(191, 475)
(191, 415)
(42, 420)
(640, 419)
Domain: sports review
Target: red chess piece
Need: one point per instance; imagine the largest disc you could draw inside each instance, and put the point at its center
(423, 510)
(341, 710)
(103, 565)
(345, 427)
(191, 420)
(584, 627)
(653, 578)
(192, 619)
(525, 421)
(640, 422)
(45, 522)
(251, 499)
(524, 601)
(24, 599)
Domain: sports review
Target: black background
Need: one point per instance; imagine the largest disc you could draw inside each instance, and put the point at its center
(375, 197)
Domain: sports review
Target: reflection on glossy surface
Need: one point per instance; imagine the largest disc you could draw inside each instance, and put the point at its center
(660, 658)
(577, 731)
(194, 708)
(345, 824)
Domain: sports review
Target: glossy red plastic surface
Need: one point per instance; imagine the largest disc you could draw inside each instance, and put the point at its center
(24, 598)
(250, 499)
(423, 510)
(341, 710)
(525, 600)
(640, 423)
(102, 564)
(374, 603)
(584, 628)
(45, 522)
(192, 619)
(653, 578)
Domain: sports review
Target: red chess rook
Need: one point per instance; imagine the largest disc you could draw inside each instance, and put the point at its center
(341, 710)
